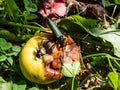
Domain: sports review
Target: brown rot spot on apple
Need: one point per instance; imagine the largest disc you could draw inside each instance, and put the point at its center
(53, 69)
(40, 52)
(55, 56)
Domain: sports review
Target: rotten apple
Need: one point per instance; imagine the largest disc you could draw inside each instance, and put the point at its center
(41, 58)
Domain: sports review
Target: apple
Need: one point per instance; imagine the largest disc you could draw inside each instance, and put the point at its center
(41, 58)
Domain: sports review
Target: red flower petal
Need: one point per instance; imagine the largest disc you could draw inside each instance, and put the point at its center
(56, 8)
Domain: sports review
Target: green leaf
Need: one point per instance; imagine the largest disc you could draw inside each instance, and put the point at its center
(30, 6)
(113, 79)
(21, 85)
(10, 60)
(3, 58)
(107, 3)
(7, 46)
(76, 67)
(2, 80)
(67, 70)
(114, 40)
(12, 10)
(98, 60)
(16, 48)
(117, 1)
(118, 81)
(32, 17)
(33, 88)
(12, 53)
(77, 24)
(111, 34)
(7, 34)
(6, 86)
(4, 45)
(70, 70)
(2, 42)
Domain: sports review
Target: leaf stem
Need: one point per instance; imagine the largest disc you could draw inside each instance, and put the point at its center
(22, 25)
(73, 79)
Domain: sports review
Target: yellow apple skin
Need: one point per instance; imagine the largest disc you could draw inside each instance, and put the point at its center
(31, 66)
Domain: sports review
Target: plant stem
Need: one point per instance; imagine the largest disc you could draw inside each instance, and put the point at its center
(73, 79)
(110, 64)
(94, 87)
(90, 75)
(102, 54)
(21, 25)
(98, 54)
(114, 11)
(116, 63)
